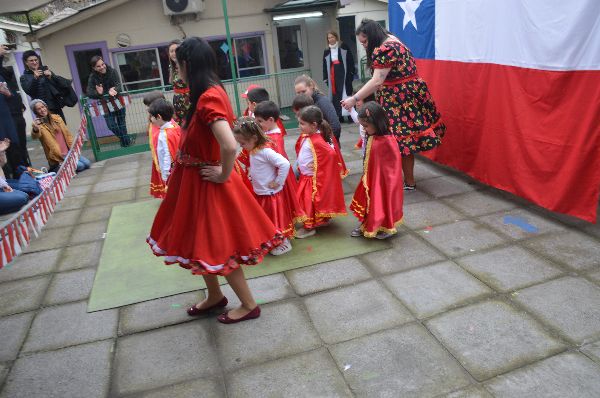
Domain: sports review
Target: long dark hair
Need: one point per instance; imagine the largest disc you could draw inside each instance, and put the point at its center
(312, 114)
(200, 64)
(376, 35)
(372, 113)
(172, 63)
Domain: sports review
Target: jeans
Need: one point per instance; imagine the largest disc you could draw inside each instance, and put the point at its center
(116, 123)
(11, 202)
(83, 163)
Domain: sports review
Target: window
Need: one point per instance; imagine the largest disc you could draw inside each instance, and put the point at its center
(249, 56)
(146, 68)
(289, 41)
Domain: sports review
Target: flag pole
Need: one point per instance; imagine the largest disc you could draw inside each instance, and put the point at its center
(231, 58)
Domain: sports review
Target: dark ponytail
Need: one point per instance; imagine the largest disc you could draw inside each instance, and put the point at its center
(326, 131)
(312, 114)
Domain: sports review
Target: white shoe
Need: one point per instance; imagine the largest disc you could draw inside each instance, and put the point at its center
(283, 248)
(305, 233)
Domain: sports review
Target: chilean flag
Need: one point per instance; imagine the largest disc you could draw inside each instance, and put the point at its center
(518, 85)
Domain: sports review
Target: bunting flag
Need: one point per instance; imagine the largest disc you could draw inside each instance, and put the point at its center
(517, 84)
(108, 105)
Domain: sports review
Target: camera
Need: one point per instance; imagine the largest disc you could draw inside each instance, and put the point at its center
(11, 46)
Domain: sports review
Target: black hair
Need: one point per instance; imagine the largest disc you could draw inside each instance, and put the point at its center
(30, 53)
(376, 35)
(372, 113)
(162, 107)
(198, 59)
(151, 96)
(267, 109)
(301, 101)
(312, 114)
(258, 95)
(94, 60)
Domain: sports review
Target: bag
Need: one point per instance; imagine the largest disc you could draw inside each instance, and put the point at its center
(62, 91)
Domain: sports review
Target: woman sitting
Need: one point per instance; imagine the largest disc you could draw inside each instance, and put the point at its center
(54, 135)
(11, 200)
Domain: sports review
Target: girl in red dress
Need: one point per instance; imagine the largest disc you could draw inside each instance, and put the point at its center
(377, 202)
(320, 190)
(209, 222)
(269, 171)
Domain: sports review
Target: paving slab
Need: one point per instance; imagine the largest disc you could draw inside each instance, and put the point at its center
(491, 338)
(348, 312)
(69, 324)
(283, 329)
(89, 232)
(593, 229)
(170, 355)
(22, 295)
(573, 249)
(142, 193)
(462, 237)
(13, 330)
(80, 180)
(3, 372)
(470, 392)
(310, 374)
(208, 388)
(421, 215)
(104, 198)
(427, 291)
(77, 190)
(424, 171)
(400, 362)
(265, 289)
(70, 286)
(80, 256)
(81, 371)
(341, 272)
(479, 203)
(509, 268)
(114, 185)
(70, 203)
(570, 305)
(595, 276)
(592, 351)
(50, 239)
(32, 264)
(416, 196)
(521, 223)
(445, 186)
(157, 313)
(95, 213)
(63, 219)
(409, 252)
(109, 176)
(569, 375)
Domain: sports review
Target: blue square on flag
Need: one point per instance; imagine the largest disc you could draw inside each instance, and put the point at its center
(413, 22)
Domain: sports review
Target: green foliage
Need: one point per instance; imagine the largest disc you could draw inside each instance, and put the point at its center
(35, 16)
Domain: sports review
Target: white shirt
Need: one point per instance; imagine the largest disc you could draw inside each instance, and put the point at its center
(334, 53)
(276, 130)
(267, 166)
(361, 130)
(306, 159)
(162, 152)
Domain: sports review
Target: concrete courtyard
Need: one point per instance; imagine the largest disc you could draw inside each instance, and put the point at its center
(465, 304)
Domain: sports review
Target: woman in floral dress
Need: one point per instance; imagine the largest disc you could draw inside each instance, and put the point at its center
(412, 114)
(181, 98)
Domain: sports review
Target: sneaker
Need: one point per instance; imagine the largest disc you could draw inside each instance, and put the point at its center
(283, 248)
(409, 187)
(305, 233)
(356, 232)
(383, 235)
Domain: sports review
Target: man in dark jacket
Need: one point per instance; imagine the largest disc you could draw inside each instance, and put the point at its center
(37, 82)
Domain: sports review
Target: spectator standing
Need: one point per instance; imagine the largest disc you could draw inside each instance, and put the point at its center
(338, 72)
(181, 98)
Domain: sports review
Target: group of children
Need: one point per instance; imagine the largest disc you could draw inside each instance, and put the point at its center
(309, 193)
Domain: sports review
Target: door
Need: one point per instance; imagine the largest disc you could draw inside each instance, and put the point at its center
(291, 49)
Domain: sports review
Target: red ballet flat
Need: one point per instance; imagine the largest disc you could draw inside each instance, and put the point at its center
(195, 311)
(224, 318)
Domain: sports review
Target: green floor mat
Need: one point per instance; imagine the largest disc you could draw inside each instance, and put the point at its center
(129, 273)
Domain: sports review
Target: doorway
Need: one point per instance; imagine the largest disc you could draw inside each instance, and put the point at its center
(79, 56)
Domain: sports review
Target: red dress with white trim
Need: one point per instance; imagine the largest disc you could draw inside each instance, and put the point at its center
(378, 198)
(158, 187)
(203, 226)
(320, 190)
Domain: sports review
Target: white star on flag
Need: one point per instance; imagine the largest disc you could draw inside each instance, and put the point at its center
(410, 8)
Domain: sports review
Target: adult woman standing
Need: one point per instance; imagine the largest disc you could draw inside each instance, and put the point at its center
(104, 85)
(338, 71)
(209, 222)
(414, 119)
(304, 84)
(181, 98)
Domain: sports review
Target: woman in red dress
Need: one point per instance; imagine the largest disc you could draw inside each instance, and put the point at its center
(209, 222)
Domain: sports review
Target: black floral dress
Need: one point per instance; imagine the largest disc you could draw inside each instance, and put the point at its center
(181, 98)
(413, 117)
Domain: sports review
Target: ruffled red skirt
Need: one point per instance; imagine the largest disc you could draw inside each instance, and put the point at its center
(283, 210)
(211, 228)
(315, 217)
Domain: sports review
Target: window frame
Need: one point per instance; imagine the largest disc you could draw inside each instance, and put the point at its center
(114, 52)
(246, 35)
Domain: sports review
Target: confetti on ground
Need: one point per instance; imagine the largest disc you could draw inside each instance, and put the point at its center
(471, 250)
(104, 235)
(521, 223)
(175, 305)
(347, 366)
(260, 301)
(309, 248)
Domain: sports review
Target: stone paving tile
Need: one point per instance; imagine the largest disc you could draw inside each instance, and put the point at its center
(266, 289)
(76, 190)
(310, 374)
(80, 256)
(421, 215)
(50, 239)
(208, 388)
(408, 252)
(491, 338)
(570, 305)
(573, 249)
(462, 237)
(424, 171)
(89, 232)
(142, 193)
(479, 203)
(81, 181)
(565, 376)
(416, 196)
(595, 276)
(509, 268)
(429, 290)
(63, 219)
(114, 185)
(13, 330)
(23, 295)
(470, 392)
(592, 351)
(282, 329)
(108, 176)
(593, 229)
(70, 286)
(111, 197)
(95, 213)
(157, 313)
(341, 272)
(501, 222)
(76, 202)
(33, 264)
(396, 363)
(69, 324)
(3, 372)
(445, 186)
(81, 371)
(148, 360)
(349, 312)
